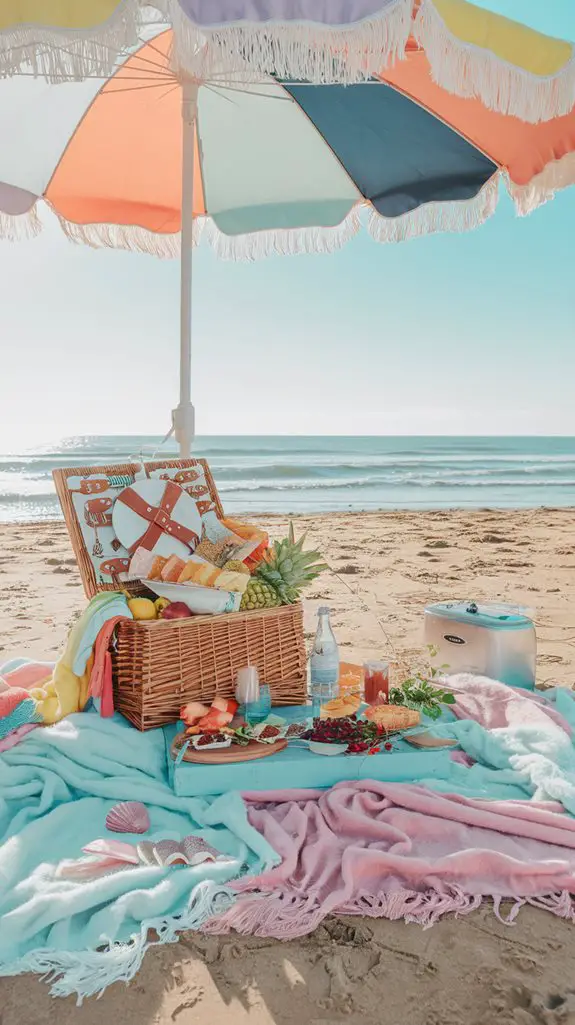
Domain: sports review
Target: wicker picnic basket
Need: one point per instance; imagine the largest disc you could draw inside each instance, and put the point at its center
(159, 666)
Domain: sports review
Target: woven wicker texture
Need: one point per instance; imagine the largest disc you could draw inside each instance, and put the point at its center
(160, 666)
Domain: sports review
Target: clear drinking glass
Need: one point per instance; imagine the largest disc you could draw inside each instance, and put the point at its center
(257, 711)
(247, 685)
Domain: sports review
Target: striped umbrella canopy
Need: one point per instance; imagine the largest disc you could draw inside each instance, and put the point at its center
(472, 52)
(278, 167)
(146, 159)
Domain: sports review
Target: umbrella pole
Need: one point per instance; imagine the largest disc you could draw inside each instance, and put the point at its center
(184, 415)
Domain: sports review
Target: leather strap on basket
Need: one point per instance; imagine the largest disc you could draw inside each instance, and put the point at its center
(159, 517)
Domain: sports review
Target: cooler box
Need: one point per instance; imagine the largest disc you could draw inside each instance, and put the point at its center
(491, 640)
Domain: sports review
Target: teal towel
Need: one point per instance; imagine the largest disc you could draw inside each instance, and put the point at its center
(56, 788)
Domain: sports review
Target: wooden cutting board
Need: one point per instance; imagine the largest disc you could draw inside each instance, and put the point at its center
(428, 740)
(234, 753)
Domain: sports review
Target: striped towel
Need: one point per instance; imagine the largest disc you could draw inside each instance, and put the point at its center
(21, 713)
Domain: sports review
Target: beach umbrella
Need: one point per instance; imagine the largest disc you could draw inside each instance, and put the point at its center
(472, 52)
(256, 166)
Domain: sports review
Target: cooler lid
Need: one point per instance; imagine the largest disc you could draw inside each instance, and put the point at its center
(494, 615)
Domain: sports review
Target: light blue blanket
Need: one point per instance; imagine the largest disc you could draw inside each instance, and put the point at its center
(56, 788)
(516, 762)
(58, 784)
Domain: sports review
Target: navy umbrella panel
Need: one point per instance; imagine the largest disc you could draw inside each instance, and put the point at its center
(398, 154)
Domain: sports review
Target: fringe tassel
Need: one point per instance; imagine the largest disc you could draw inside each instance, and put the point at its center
(57, 53)
(555, 176)
(302, 52)
(286, 917)
(468, 70)
(250, 247)
(423, 909)
(283, 242)
(20, 227)
(120, 236)
(461, 216)
(88, 973)
(424, 220)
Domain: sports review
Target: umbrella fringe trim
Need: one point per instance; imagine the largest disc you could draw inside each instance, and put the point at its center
(430, 218)
(557, 175)
(20, 227)
(123, 236)
(70, 53)
(281, 242)
(255, 246)
(468, 70)
(298, 51)
(427, 219)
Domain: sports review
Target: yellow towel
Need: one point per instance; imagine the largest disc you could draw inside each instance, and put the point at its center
(66, 692)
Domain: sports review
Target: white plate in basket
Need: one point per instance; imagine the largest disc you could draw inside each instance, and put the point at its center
(130, 526)
(200, 600)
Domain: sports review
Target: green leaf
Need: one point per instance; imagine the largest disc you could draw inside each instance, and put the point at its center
(449, 698)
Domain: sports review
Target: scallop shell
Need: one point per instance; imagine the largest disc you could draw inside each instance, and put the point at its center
(128, 817)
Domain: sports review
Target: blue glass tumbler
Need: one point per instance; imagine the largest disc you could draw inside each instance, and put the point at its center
(257, 711)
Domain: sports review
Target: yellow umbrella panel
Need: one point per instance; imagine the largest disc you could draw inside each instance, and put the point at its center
(472, 52)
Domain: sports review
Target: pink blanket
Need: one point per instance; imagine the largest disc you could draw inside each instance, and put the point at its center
(494, 705)
(400, 851)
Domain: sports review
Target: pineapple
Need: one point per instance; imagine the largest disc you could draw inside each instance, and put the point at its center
(282, 575)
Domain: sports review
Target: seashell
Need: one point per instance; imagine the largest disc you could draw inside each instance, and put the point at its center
(128, 817)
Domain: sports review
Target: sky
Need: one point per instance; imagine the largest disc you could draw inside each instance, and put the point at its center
(449, 334)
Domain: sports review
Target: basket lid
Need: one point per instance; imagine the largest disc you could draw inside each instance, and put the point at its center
(88, 496)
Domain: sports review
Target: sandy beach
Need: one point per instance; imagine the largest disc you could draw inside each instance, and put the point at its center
(385, 568)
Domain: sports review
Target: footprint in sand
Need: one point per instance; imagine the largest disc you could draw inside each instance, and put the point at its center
(525, 1007)
(493, 539)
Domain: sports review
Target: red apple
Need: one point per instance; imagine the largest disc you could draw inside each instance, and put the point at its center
(176, 610)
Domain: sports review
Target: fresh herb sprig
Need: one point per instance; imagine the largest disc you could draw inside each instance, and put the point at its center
(421, 692)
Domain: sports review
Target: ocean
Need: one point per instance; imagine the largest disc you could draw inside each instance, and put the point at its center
(315, 474)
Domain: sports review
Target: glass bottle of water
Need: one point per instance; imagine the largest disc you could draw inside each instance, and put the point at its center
(324, 664)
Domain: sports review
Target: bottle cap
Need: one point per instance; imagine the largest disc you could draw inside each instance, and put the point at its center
(323, 611)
